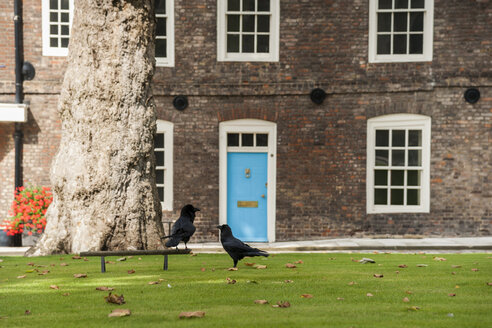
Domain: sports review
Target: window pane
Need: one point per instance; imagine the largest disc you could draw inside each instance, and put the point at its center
(418, 3)
(64, 17)
(263, 43)
(416, 22)
(385, 4)
(400, 44)
(64, 4)
(384, 22)
(161, 48)
(65, 30)
(414, 158)
(414, 138)
(401, 4)
(413, 178)
(382, 138)
(53, 4)
(397, 177)
(262, 140)
(159, 176)
(233, 139)
(413, 197)
(161, 26)
(53, 42)
(160, 191)
(247, 140)
(64, 42)
(263, 23)
(381, 177)
(232, 43)
(381, 158)
(248, 5)
(400, 22)
(384, 44)
(159, 140)
(396, 196)
(54, 17)
(53, 29)
(380, 196)
(233, 5)
(233, 23)
(398, 158)
(160, 7)
(248, 43)
(263, 5)
(416, 43)
(159, 158)
(248, 23)
(398, 138)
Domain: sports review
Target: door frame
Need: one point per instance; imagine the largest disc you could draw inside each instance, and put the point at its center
(249, 126)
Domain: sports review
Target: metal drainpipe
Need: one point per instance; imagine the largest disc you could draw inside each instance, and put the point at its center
(19, 98)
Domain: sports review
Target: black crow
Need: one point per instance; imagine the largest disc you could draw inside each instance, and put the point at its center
(183, 228)
(236, 249)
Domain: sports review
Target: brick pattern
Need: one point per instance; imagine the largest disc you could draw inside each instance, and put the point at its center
(321, 149)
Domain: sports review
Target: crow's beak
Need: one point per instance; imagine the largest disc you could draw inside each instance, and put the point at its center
(196, 209)
(219, 227)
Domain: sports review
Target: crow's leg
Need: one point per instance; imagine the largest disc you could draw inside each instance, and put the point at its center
(186, 247)
(235, 262)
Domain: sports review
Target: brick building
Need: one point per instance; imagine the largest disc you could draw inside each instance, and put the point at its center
(392, 149)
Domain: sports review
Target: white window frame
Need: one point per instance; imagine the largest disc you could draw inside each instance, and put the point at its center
(427, 42)
(169, 60)
(223, 55)
(47, 49)
(249, 126)
(399, 121)
(168, 129)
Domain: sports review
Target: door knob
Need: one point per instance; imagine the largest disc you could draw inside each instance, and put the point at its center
(263, 196)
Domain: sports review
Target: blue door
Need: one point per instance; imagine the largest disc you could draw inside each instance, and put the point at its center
(247, 195)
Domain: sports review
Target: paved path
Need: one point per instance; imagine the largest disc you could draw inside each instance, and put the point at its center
(432, 245)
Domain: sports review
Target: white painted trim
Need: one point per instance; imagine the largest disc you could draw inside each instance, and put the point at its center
(427, 43)
(45, 15)
(13, 112)
(251, 126)
(272, 56)
(169, 60)
(168, 129)
(395, 121)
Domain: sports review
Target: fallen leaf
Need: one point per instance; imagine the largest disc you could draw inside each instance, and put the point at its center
(30, 264)
(489, 284)
(66, 294)
(154, 282)
(474, 269)
(203, 269)
(290, 266)
(121, 259)
(252, 282)
(299, 262)
(27, 312)
(422, 265)
(192, 254)
(282, 304)
(366, 260)
(232, 269)
(131, 271)
(436, 258)
(456, 266)
(76, 257)
(44, 272)
(31, 271)
(408, 292)
(451, 294)
(378, 275)
(352, 283)
(288, 281)
(63, 264)
(450, 315)
(397, 272)
(261, 266)
(332, 258)
(115, 299)
(120, 313)
(194, 314)
(110, 262)
(261, 302)
(80, 275)
(230, 281)
(456, 286)
(403, 266)
(249, 264)
(307, 296)
(86, 259)
(104, 288)
(340, 298)
(1, 260)
(369, 295)
(453, 273)
(406, 300)
(414, 308)
(21, 277)
(54, 287)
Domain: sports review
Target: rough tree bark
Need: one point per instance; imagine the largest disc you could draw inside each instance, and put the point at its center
(103, 175)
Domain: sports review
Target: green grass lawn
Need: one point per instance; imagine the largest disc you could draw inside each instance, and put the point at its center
(444, 293)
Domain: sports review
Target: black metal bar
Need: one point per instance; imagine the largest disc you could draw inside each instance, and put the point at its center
(18, 136)
(165, 262)
(137, 252)
(103, 265)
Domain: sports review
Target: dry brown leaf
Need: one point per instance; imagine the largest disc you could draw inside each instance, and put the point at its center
(369, 295)
(27, 312)
(131, 271)
(154, 282)
(110, 262)
(44, 272)
(307, 296)
(288, 281)
(120, 313)
(422, 265)
(451, 294)
(340, 298)
(403, 266)
(352, 283)
(63, 264)
(282, 304)
(261, 302)
(86, 259)
(261, 266)
(21, 277)
(230, 281)
(121, 259)
(76, 257)
(115, 299)
(203, 269)
(192, 254)
(66, 294)
(80, 275)
(249, 264)
(194, 314)
(406, 300)
(54, 287)
(30, 264)
(378, 275)
(456, 266)
(409, 292)
(474, 269)
(104, 288)
(232, 269)
(397, 272)
(436, 258)
(299, 262)
(489, 284)
(456, 286)
(290, 266)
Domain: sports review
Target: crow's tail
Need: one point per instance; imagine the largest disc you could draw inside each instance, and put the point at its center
(165, 237)
(173, 242)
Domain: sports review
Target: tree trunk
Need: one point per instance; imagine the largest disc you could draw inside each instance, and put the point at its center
(103, 175)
